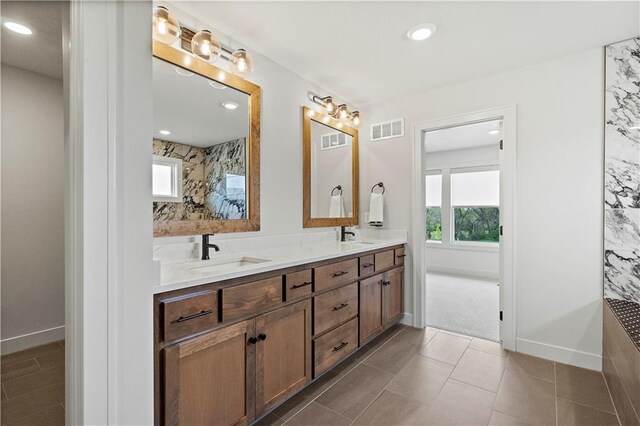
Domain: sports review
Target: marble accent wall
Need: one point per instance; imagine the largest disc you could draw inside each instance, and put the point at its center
(622, 172)
(213, 181)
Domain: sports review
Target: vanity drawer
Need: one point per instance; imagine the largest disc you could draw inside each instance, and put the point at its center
(335, 346)
(384, 260)
(189, 314)
(400, 256)
(246, 299)
(335, 274)
(366, 265)
(298, 284)
(335, 307)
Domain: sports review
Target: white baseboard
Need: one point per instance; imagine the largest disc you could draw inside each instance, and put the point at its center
(475, 273)
(560, 354)
(407, 319)
(26, 341)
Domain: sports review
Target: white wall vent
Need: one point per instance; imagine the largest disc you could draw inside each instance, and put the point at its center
(387, 130)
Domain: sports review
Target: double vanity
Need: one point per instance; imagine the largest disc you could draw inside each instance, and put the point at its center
(232, 346)
(240, 331)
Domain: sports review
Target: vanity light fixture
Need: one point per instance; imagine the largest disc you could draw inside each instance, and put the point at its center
(18, 28)
(340, 112)
(421, 32)
(241, 63)
(206, 46)
(166, 28)
(230, 105)
(164, 132)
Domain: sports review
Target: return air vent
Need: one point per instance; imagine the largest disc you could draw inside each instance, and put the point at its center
(387, 130)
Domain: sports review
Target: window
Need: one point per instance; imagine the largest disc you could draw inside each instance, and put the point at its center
(475, 200)
(433, 186)
(167, 179)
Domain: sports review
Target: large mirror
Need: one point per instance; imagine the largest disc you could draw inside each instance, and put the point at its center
(330, 172)
(205, 147)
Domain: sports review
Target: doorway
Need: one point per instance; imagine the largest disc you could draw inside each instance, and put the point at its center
(33, 213)
(464, 169)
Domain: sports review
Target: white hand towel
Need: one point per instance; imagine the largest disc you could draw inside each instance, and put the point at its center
(336, 208)
(376, 207)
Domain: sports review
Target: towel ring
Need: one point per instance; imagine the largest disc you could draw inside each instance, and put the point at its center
(379, 184)
(339, 188)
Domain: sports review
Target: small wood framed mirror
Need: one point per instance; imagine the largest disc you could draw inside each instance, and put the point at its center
(329, 171)
(206, 147)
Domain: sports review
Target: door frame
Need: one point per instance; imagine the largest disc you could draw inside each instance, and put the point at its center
(508, 175)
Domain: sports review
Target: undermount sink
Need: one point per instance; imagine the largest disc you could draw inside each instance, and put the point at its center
(219, 266)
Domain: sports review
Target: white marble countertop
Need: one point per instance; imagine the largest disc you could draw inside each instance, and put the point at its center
(175, 275)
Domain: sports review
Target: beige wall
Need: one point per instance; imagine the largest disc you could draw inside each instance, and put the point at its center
(32, 209)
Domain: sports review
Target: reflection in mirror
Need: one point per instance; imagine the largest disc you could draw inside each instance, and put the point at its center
(199, 147)
(331, 172)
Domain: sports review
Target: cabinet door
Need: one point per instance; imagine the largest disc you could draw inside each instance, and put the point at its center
(370, 307)
(210, 379)
(392, 300)
(283, 354)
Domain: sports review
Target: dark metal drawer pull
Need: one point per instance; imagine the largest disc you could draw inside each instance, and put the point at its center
(252, 341)
(262, 336)
(386, 283)
(367, 265)
(338, 274)
(306, 283)
(340, 346)
(199, 314)
(401, 255)
(340, 306)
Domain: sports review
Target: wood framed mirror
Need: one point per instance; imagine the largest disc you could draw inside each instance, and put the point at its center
(206, 147)
(329, 171)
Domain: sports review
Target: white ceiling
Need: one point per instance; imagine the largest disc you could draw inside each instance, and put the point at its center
(192, 110)
(359, 50)
(40, 52)
(463, 137)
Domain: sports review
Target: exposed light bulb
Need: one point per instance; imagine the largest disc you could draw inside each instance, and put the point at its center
(355, 118)
(241, 63)
(166, 28)
(342, 112)
(328, 104)
(206, 46)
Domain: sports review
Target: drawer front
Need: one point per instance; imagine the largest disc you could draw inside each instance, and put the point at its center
(298, 284)
(335, 274)
(367, 265)
(189, 314)
(400, 256)
(335, 307)
(335, 346)
(246, 299)
(384, 260)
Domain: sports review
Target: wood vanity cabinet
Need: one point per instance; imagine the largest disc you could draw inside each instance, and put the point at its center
(227, 353)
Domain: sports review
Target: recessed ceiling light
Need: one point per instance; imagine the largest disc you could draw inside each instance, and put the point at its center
(18, 28)
(183, 72)
(217, 85)
(421, 32)
(164, 132)
(494, 132)
(230, 105)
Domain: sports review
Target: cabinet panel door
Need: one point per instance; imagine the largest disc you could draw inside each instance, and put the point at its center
(283, 354)
(370, 307)
(392, 297)
(210, 379)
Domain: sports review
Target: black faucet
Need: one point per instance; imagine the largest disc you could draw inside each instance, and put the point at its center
(344, 232)
(206, 245)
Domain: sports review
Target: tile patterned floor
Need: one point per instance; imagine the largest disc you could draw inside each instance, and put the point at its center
(32, 384)
(427, 377)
